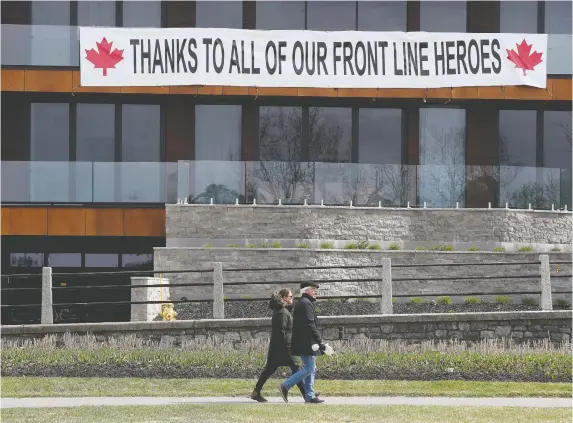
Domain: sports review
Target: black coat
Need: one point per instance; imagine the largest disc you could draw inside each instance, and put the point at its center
(279, 348)
(305, 327)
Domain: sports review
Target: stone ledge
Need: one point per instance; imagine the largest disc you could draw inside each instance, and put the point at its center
(327, 321)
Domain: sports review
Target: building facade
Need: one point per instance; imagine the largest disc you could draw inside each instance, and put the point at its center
(86, 171)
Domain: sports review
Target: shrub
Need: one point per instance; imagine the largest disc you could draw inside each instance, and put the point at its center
(416, 300)
(525, 249)
(327, 245)
(472, 300)
(529, 301)
(444, 300)
(251, 245)
(561, 303)
(374, 247)
(499, 250)
(441, 248)
(394, 246)
(473, 248)
(277, 244)
(420, 248)
(363, 245)
(502, 299)
(264, 245)
(351, 246)
(556, 249)
(303, 245)
(233, 246)
(208, 246)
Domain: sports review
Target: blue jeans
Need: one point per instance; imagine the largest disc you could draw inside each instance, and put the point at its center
(306, 373)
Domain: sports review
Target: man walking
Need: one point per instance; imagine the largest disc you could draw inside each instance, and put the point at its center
(305, 335)
(279, 347)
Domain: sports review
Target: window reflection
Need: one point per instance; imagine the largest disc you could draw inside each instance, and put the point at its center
(50, 12)
(382, 16)
(380, 136)
(95, 133)
(64, 259)
(26, 259)
(49, 131)
(330, 134)
(443, 16)
(557, 158)
(518, 17)
(142, 14)
(280, 15)
(137, 260)
(141, 133)
(219, 14)
(558, 17)
(102, 260)
(96, 13)
(331, 15)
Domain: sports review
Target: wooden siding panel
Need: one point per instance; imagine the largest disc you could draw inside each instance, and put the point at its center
(183, 89)
(440, 93)
(273, 91)
(13, 80)
(210, 90)
(318, 92)
(562, 89)
(465, 92)
(50, 81)
(527, 93)
(358, 92)
(66, 221)
(145, 90)
(235, 90)
(104, 222)
(401, 93)
(28, 221)
(144, 222)
(491, 93)
(5, 220)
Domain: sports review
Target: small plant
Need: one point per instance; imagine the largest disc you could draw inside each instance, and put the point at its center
(394, 246)
(351, 246)
(233, 246)
(472, 300)
(208, 246)
(502, 299)
(363, 245)
(444, 300)
(561, 303)
(526, 249)
(441, 248)
(416, 300)
(327, 245)
(167, 313)
(277, 244)
(529, 301)
(303, 245)
(473, 248)
(251, 245)
(420, 248)
(264, 245)
(555, 249)
(374, 247)
(499, 250)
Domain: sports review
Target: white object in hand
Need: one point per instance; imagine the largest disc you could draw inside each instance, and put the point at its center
(315, 347)
(328, 350)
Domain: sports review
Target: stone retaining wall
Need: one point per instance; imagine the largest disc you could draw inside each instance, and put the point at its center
(203, 258)
(521, 326)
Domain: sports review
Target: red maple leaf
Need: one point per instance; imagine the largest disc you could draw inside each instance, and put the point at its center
(104, 58)
(522, 58)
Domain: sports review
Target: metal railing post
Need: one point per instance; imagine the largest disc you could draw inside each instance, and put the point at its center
(386, 287)
(47, 313)
(218, 299)
(545, 302)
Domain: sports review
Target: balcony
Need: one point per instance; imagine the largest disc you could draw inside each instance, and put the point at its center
(58, 46)
(225, 182)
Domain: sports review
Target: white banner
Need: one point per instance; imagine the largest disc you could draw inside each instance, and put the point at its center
(345, 59)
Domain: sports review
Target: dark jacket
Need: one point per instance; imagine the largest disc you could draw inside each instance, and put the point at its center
(279, 348)
(305, 327)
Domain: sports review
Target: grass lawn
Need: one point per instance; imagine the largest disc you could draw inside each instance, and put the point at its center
(284, 413)
(87, 387)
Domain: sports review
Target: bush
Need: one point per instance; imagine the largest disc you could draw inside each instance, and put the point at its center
(327, 245)
(444, 300)
(555, 249)
(420, 248)
(363, 245)
(529, 301)
(233, 246)
(303, 245)
(472, 300)
(473, 248)
(561, 303)
(208, 246)
(374, 247)
(264, 245)
(416, 300)
(394, 246)
(442, 248)
(277, 244)
(252, 246)
(351, 246)
(502, 299)
(499, 250)
(525, 249)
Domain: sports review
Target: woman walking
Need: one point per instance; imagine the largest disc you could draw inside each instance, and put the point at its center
(279, 348)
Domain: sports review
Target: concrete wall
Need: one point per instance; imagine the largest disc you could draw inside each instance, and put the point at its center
(200, 258)
(521, 326)
(194, 225)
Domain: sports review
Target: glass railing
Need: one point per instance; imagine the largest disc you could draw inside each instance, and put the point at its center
(50, 45)
(267, 182)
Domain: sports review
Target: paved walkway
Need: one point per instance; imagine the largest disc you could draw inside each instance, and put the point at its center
(444, 401)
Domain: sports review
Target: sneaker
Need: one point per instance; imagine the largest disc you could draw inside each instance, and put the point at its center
(316, 395)
(315, 400)
(258, 397)
(284, 392)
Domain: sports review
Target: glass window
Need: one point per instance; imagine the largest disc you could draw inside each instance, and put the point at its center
(382, 16)
(280, 15)
(442, 156)
(64, 260)
(96, 13)
(50, 13)
(145, 14)
(331, 15)
(518, 17)
(280, 133)
(50, 131)
(95, 133)
(330, 134)
(26, 259)
(219, 14)
(137, 260)
(557, 139)
(380, 136)
(102, 260)
(141, 133)
(558, 17)
(517, 137)
(443, 16)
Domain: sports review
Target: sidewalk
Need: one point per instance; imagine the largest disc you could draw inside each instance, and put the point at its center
(443, 401)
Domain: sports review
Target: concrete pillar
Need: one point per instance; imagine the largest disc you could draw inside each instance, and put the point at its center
(148, 312)
(546, 302)
(218, 298)
(47, 314)
(386, 287)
